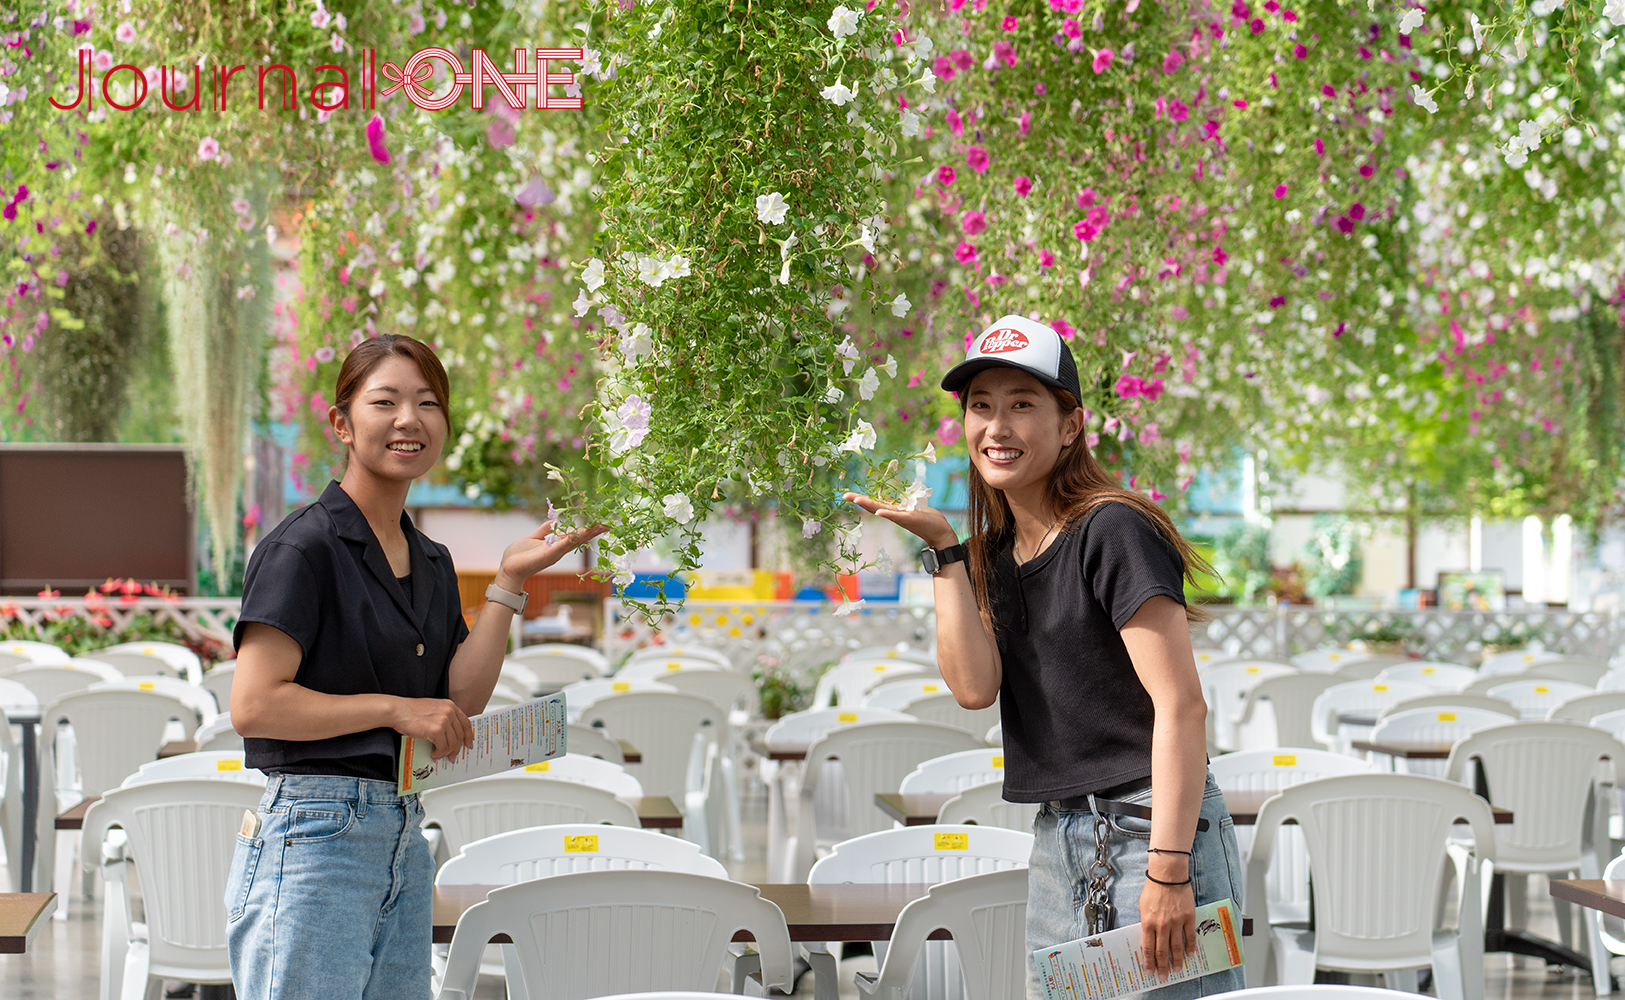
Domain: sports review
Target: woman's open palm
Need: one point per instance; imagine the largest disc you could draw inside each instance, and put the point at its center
(541, 548)
(927, 522)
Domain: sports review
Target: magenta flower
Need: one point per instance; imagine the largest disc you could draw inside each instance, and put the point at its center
(208, 148)
(1356, 211)
(976, 159)
(943, 68)
(956, 124)
(945, 175)
(1024, 185)
(1219, 256)
(1256, 25)
(965, 253)
(1366, 170)
(1086, 198)
(1040, 89)
(961, 59)
(1084, 231)
(1172, 61)
(1177, 110)
(1300, 50)
(1010, 23)
(1046, 259)
(1071, 28)
(1327, 90)
(1064, 329)
(1320, 146)
(1278, 301)
(90, 227)
(1102, 60)
(1280, 190)
(1345, 224)
(949, 432)
(1026, 122)
(375, 139)
(1004, 52)
(1289, 15)
(972, 223)
(1098, 216)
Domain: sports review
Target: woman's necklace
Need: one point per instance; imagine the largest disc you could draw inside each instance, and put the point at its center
(1037, 548)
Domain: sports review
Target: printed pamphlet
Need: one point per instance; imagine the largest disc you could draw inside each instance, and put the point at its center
(1113, 964)
(503, 740)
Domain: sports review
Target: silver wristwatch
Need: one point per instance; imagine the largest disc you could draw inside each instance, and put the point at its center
(507, 598)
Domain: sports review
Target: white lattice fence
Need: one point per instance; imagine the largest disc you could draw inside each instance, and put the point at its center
(199, 617)
(791, 635)
(1433, 633)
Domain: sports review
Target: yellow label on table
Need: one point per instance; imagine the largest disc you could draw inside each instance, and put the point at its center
(584, 843)
(1285, 760)
(228, 765)
(1529, 658)
(1252, 670)
(1334, 656)
(1542, 689)
(674, 666)
(148, 651)
(1379, 687)
(929, 687)
(846, 717)
(555, 652)
(17, 650)
(998, 761)
(146, 685)
(1447, 716)
(953, 841)
(1428, 670)
(542, 765)
(891, 654)
(623, 685)
(879, 667)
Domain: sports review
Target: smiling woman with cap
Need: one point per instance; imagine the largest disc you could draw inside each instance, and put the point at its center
(1066, 604)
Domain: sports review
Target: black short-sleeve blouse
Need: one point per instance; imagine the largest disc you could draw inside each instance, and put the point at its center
(321, 577)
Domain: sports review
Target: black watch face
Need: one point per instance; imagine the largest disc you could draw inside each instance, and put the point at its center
(929, 560)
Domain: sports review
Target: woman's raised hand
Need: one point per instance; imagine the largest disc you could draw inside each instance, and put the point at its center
(929, 524)
(537, 551)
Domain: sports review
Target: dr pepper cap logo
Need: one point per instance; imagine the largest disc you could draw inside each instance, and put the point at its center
(1018, 342)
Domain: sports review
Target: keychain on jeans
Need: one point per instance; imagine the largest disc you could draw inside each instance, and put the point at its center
(1098, 913)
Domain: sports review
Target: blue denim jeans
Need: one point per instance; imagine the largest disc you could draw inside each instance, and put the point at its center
(1063, 849)
(333, 900)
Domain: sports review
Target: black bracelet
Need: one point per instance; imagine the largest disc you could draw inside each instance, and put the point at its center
(1159, 881)
(1167, 850)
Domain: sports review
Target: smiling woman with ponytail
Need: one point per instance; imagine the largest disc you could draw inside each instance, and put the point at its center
(1066, 605)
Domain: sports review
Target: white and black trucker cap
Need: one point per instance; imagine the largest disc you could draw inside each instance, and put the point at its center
(1018, 342)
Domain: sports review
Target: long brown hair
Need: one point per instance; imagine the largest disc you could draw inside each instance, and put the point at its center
(1076, 486)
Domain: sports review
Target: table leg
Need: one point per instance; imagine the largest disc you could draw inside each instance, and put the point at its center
(1520, 942)
(25, 877)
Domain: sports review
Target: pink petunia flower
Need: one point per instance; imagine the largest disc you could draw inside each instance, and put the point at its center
(972, 223)
(1345, 224)
(375, 139)
(1071, 28)
(965, 253)
(1177, 110)
(1219, 256)
(1026, 122)
(1172, 61)
(945, 175)
(1300, 51)
(962, 59)
(208, 148)
(1320, 146)
(1009, 23)
(1024, 185)
(1102, 60)
(125, 33)
(956, 124)
(943, 68)
(1256, 25)
(1086, 199)
(949, 432)
(1046, 259)
(1084, 231)
(1366, 170)
(1280, 190)
(1064, 329)
(976, 158)
(1356, 211)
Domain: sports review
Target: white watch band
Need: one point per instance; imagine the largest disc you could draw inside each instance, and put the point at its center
(507, 598)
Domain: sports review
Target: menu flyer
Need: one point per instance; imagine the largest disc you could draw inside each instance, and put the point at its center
(1112, 964)
(503, 740)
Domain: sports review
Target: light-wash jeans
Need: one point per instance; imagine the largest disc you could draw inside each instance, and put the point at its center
(1058, 880)
(333, 900)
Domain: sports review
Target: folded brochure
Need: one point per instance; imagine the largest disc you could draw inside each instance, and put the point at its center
(1113, 964)
(503, 740)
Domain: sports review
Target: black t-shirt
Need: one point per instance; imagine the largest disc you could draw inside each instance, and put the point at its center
(1076, 717)
(321, 577)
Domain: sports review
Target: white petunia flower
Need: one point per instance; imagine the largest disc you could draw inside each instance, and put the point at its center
(1479, 30)
(900, 305)
(679, 266)
(1411, 21)
(1529, 135)
(837, 93)
(593, 275)
(810, 528)
(916, 493)
(770, 208)
(1424, 99)
(1614, 10)
(638, 343)
(1515, 155)
(848, 353)
(911, 121)
(847, 606)
(833, 395)
(678, 507)
(581, 304)
(623, 569)
(931, 453)
(866, 239)
(844, 22)
(929, 82)
(890, 367)
(868, 384)
(649, 271)
(861, 438)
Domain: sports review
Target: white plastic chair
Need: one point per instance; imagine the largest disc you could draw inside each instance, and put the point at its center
(730, 689)
(1290, 703)
(1583, 708)
(1319, 991)
(845, 684)
(520, 677)
(1355, 697)
(1330, 660)
(1270, 771)
(946, 709)
(474, 810)
(35, 652)
(591, 742)
(214, 765)
(984, 805)
(1431, 725)
(995, 736)
(717, 656)
(583, 770)
(11, 796)
(1611, 929)
(1533, 697)
(578, 697)
(182, 659)
(1613, 680)
(661, 724)
(1366, 668)
(987, 917)
(917, 854)
(874, 757)
(218, 734)
(1377, 845)
(184, 832)
(1226, 686)
(1584, 672)
(192, 696)
(804, 728)
(543, 851)
(133, 664)
(1438, 676)
(901, 651)
(954, 772)
(895, 694)
(218, 683)
(1450, 699)
(547, 652)
(589, 934)
(1544, 773)
(50, 681)
(1612, 723)
(503, 696)
(1515, 661)
(651, 668)
(1206, 657)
